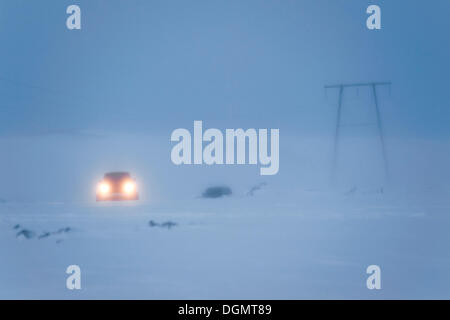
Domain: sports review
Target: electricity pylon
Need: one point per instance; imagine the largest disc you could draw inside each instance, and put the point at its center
(341, 88)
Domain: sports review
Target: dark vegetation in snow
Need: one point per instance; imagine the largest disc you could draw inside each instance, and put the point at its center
(255, 188)
(59, 231)
(351, 191)
(354, 190)
(167, 224)
(29, 234)
(216, 192)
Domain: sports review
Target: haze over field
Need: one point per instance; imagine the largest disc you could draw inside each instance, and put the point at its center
(76, 104)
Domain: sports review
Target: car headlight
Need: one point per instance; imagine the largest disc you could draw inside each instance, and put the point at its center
(104, 187)
(129, 187)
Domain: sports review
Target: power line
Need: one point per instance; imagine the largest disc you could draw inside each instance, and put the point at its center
(47, 90)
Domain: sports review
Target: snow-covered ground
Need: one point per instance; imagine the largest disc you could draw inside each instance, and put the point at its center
(291, 239)
(318, 247)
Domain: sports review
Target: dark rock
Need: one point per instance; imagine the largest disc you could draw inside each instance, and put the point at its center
(167, 224)
(216, 192)
(63, 230)
(153, 223)
(28, 234)
(44, 235)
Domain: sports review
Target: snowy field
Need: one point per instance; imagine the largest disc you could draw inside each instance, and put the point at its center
(317, 247)
(290, 238)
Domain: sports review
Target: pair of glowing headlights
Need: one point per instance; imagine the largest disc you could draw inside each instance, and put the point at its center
(128, 187)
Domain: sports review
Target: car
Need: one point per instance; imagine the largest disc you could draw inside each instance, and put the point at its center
(117, 186)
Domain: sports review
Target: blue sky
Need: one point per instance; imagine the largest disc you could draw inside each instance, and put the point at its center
(152, 66)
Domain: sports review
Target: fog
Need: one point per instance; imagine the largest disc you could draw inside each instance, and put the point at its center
(108, 96)
(76, 104)
(68, 168)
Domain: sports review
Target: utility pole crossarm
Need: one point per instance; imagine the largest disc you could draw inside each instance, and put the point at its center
(361, 84)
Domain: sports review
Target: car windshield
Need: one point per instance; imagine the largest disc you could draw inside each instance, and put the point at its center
(117, 175)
